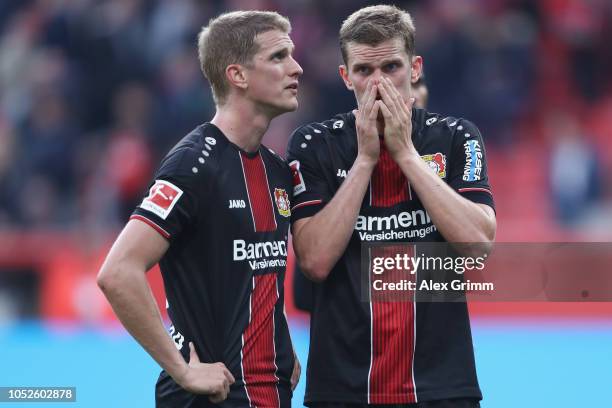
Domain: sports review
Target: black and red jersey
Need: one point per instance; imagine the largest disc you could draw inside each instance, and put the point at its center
(225, 213)
(386, 352)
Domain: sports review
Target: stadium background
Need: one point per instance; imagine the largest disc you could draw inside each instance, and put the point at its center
(93, 93)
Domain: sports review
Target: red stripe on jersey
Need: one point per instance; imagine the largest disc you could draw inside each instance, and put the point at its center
(478, 189)
(388, 184)
(391, 377)
(260, 200)
(258, 348)
(305, 203)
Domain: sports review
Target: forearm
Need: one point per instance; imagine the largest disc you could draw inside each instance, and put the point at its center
(322, 240)
(130, 296)
(456, 218)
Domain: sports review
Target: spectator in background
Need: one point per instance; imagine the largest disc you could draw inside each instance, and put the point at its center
(128, 158)
(521, 52)
(575, 177)
(47, 152)
(9, 207)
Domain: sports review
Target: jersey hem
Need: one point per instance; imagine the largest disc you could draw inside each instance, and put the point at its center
(151, 224)
(306, 211)
(422, 396)
(478, 196)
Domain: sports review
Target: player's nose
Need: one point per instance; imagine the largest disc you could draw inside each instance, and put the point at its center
(377, 75)
(295, 68)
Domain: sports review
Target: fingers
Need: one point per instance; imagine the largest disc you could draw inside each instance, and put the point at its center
(220, 395)
(227, 374)
(366, 95)
(295, 376)
(373, 115)
(387, 114)
(226, 388)
(393, 92)
(193, 356)
(388, 96)
(403, 107)
(371, 100)
(217, 398)
(410, 104)
(223, 387)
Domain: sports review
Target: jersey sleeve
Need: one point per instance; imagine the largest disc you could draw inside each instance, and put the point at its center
(310, 190)
(171, 202)
(468, 173)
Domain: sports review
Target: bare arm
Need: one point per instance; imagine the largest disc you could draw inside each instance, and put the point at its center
(122, 278)
(319, 241)
(457, 218)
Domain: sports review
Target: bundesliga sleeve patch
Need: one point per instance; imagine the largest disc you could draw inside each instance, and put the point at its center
(298, 180)
(162, 198)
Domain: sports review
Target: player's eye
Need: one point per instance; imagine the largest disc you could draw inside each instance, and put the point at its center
(279, 55)
(391, 67)
(362, 70)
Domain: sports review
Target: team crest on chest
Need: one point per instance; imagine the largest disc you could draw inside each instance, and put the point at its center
(282, 202)
(437, 162)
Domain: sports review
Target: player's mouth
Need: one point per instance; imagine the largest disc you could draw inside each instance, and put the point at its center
(293, 86)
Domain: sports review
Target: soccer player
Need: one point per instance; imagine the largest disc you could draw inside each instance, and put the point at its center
(216, 217)
(302, 287)
(385, 170)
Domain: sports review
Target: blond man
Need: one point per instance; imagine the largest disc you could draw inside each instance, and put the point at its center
(216, 218)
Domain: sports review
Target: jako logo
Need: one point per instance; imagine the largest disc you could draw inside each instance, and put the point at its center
(237, 204)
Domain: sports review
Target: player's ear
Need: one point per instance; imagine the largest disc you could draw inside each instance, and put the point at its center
(417, 68)
(236, 75)
(344, 75)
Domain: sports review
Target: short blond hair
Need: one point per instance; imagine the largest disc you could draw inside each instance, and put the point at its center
(230, 39)
(375, 24)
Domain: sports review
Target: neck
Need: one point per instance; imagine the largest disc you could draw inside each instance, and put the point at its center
(242, 123)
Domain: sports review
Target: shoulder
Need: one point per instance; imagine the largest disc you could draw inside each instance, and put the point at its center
(314, 134)
(274, 158)
(193, 157)
(434, 124)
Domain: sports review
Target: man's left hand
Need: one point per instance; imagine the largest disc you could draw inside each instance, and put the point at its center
(297, 371)
(398, 120)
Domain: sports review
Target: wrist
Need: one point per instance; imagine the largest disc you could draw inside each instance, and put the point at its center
(407, 157)
(364, 162)
(181, 375)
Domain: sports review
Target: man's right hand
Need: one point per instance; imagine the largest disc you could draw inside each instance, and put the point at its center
(368, 144)
(213, 380)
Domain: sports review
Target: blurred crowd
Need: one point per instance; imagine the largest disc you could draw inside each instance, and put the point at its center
(94, 92)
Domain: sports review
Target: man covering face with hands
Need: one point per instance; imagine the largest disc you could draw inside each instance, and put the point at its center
(386, 172)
